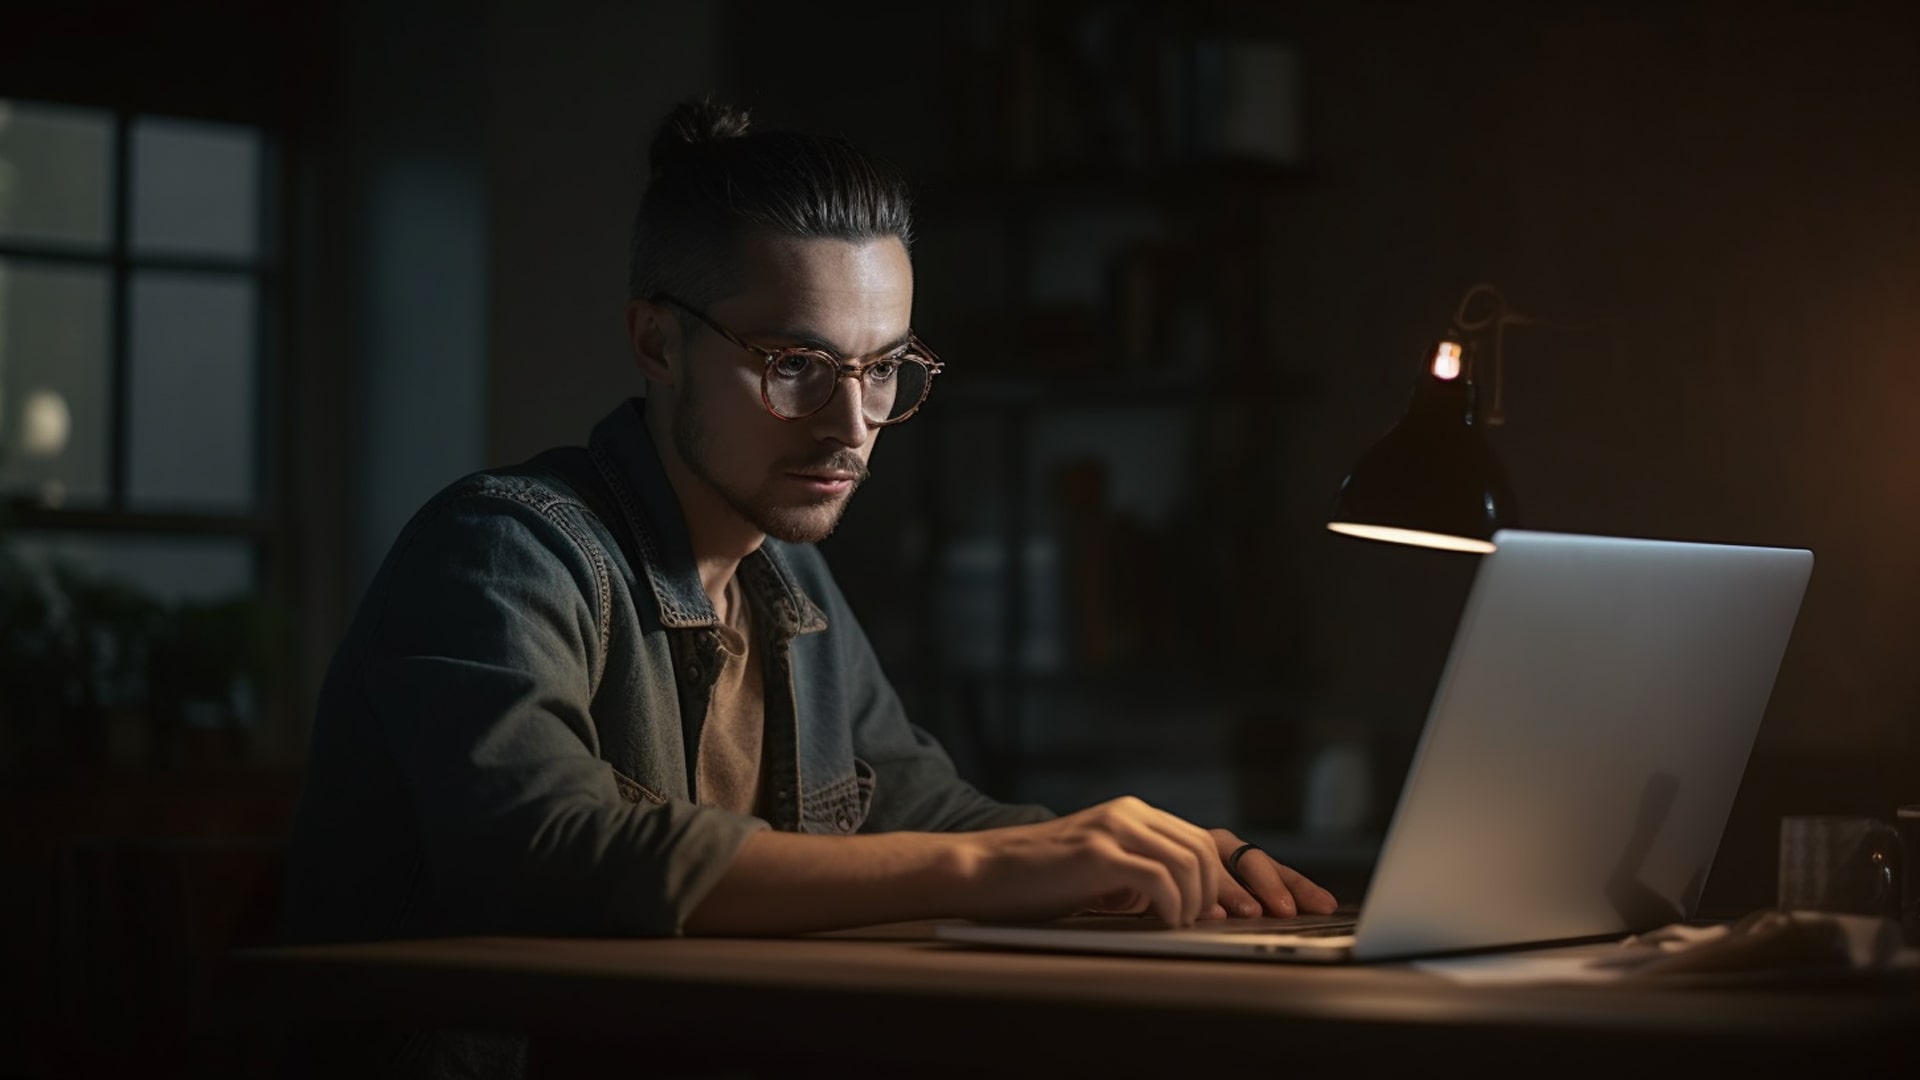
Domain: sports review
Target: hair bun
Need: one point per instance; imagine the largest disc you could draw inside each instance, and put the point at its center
(690, 124)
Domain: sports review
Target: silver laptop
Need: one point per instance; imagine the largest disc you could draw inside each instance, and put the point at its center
(1577, 767)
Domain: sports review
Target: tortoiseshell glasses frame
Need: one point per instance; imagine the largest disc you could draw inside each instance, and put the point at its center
(794, 375)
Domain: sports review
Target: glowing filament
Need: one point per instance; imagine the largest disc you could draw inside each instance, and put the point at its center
(1446, 361)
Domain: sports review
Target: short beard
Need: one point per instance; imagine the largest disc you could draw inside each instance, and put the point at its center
(795, 525)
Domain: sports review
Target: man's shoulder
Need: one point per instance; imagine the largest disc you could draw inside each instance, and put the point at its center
(529, 484)
(494, 505)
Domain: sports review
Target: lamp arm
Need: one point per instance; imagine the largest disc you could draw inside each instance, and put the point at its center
(1499, 318)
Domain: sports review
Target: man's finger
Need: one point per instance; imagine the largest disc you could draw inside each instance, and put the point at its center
(1199, 845)
(1261, 876)
(1183, 867)
(1234, 897)
(1151, 879)
(1234, 894)
(1311, 897)
(1238, 901)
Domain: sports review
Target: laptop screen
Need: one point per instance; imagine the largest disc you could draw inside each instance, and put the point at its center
(1585, 742)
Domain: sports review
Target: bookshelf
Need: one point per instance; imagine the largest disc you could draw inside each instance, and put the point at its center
(1084, 603)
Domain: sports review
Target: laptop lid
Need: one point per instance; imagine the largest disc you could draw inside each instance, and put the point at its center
(1585, 742)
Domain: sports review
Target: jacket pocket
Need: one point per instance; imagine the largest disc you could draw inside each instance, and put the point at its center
(633, 790)
(842, 805)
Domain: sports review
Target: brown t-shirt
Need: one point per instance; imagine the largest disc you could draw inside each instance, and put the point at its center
(727, 762)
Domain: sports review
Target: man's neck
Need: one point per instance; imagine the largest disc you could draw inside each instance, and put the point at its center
(716, 573)
(718, 536)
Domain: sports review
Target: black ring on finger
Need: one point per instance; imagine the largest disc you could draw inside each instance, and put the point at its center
(1233, 863)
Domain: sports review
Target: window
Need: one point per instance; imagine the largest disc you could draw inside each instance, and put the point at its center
(136, 301)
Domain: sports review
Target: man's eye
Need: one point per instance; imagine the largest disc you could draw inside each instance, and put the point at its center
(792, 365)
(882, 370)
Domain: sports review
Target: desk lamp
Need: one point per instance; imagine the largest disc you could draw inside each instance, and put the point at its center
(1433, 481)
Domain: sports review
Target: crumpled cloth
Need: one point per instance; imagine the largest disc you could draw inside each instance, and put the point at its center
(1768, 941)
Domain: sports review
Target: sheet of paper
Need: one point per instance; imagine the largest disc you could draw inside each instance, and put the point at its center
(1523, 968)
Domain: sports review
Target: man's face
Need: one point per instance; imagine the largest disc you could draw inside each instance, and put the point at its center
(790, 479)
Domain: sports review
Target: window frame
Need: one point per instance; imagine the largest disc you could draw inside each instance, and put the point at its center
(265, 270)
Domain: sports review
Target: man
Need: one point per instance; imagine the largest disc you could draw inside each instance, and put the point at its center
(616, 691)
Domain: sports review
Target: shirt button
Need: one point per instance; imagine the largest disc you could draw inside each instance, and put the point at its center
(693, 672)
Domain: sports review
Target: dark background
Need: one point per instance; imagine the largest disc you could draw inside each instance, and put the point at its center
(1725, 197)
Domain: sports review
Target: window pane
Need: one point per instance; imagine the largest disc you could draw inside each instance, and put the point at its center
(192, 382)
(54, 395)
(55, 174)
(196, 188)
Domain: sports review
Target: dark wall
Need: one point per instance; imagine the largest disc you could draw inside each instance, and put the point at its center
(1725, 196)
(576, 89)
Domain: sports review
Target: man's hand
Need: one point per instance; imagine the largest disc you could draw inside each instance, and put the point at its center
(1120, 856)
(1269, 888)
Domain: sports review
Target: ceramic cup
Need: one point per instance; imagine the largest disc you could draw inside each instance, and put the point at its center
(1907, 819)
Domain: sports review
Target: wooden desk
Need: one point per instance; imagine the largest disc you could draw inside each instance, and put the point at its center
(890, 1001)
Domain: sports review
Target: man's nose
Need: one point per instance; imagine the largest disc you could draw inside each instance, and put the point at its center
(842, 418)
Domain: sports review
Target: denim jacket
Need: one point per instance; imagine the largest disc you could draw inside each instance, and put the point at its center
(504, 742)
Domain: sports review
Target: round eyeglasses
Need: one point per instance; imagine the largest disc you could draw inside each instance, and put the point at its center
(797, 381)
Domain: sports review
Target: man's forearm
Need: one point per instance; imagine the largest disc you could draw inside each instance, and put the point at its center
(790, 883)
(1122, 856)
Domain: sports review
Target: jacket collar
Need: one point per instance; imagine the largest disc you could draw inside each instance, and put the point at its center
(622, 450)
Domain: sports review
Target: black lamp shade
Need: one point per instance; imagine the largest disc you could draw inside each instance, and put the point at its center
(1432, 481)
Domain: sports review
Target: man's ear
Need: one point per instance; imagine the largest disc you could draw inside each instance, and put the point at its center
(653, 334)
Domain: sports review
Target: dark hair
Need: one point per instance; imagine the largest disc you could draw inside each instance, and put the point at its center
(711, 182)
